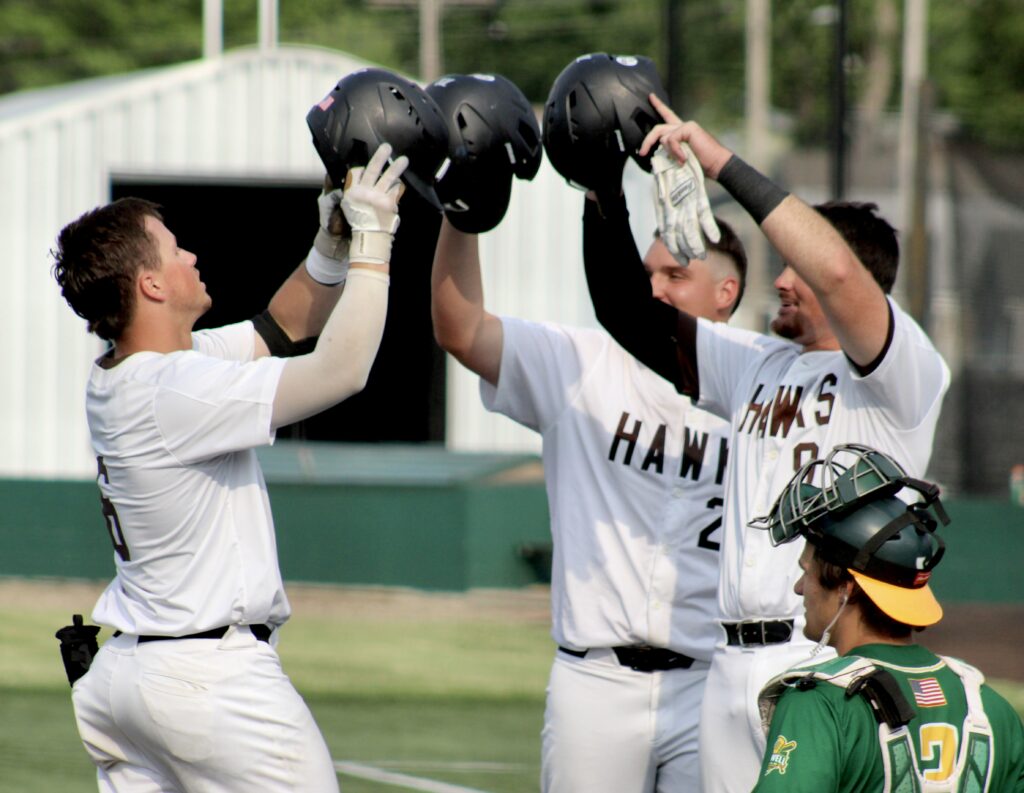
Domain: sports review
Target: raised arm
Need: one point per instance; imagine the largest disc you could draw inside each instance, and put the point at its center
(339, 365)
(620, 290)
(462, 326)
(300, 307)
(854, 303)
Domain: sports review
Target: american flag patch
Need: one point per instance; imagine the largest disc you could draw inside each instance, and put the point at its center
(928, 692)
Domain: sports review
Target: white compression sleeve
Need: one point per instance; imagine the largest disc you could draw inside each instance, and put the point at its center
(340, 364)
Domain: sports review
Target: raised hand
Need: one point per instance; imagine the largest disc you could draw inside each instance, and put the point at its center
(370, 204)
(328, 262)
(672, 134)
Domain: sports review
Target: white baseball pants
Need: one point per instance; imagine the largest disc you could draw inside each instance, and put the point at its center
(610, 729)
(731, 739)
(210, 715)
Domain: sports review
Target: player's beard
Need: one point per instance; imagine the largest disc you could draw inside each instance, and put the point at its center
(787, 327)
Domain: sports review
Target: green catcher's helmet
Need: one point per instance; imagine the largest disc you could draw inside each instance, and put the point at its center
(856, 521)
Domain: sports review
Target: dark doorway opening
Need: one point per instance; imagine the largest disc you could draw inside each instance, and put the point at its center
(250, 234)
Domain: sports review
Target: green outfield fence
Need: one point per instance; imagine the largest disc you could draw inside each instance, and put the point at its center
(423, 517)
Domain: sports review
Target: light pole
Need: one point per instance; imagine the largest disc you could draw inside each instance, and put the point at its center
(839, 143)
(672, 12)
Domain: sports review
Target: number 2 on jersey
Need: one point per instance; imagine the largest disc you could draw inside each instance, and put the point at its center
(110, 514)
(704, 540)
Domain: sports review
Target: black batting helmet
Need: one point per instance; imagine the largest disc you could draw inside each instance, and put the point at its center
(598, 114)
(493, 135)
(373, 106)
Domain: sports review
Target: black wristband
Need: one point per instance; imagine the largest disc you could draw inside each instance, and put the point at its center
(754, 191)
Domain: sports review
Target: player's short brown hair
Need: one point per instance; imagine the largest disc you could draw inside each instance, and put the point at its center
(832, 576)
(729, 244)
(869, 235)
(96, 261)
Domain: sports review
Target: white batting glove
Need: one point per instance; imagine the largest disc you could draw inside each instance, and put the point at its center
(328, 259)
(682, 206)
(370, 204)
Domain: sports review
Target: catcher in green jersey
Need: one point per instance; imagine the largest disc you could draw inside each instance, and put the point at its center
(887, 715)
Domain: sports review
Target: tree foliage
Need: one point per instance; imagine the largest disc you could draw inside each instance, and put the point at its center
(531, 41)
(976, 57)
(43, 42)
(977, 64)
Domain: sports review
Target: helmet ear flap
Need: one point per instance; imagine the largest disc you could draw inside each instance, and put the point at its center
(644, 122)
(526, 149)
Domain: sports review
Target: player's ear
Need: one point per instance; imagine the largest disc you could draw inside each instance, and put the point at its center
(149, 285)
(727, 292)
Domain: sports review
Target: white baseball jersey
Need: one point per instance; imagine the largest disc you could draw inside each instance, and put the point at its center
(634, 477)
(183, 493)
(787, 408)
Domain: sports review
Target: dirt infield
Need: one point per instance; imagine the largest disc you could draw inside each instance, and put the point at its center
(990, 636)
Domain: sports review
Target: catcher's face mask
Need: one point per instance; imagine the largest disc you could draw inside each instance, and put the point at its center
(849, 475)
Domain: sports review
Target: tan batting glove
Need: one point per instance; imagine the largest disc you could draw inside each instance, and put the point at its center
(370, 204)
(328, 259)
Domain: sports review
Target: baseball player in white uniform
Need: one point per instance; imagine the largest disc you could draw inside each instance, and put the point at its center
(634, 479)
(189, 693)
(851, 366)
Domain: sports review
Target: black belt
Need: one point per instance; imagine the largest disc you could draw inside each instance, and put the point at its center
(754, 634)
(642, 658)
(261, 632)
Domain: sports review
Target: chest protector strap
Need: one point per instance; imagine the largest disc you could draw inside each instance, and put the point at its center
(973, 770)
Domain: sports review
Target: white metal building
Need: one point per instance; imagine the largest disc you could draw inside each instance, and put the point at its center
(236, 116)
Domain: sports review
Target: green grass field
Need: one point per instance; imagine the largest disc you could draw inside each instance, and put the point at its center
(434, 687)
(431, 687)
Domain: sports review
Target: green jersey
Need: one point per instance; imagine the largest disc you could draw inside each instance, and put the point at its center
(822, 741)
